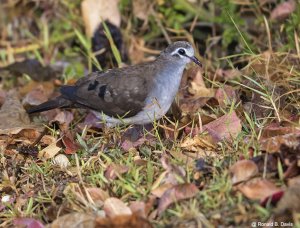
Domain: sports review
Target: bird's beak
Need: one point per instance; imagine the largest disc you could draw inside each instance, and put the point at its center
(195, 60)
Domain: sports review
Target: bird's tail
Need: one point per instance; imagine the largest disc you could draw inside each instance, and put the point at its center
(59, 102)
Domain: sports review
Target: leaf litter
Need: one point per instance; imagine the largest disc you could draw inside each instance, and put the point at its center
(232, 147)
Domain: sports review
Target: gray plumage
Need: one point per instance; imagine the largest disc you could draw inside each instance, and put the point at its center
(132, 95)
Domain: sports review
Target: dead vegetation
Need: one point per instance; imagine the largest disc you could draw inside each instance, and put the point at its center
(227, 154)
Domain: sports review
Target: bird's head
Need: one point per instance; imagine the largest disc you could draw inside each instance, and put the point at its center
(181, 52)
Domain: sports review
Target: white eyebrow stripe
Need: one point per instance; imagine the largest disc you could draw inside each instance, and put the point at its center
(176, 51)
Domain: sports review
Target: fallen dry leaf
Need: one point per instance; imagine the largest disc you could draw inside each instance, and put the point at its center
(226, 95)
(224, 75)
(136, 50)
(96, 11)
(176, 193)
(273, 199)
(115, 207)
(226, 127)
(243, 170)
(199, 141)
(64, 118)
(97, 195)
(273, 144)
(141, 9)
(36, 96)
(48, 139)
(267, 162)
(47, 87)
(127, 144)
(13, 116)
(161, 189)
(258, 189)
(28, 223)
(288, 204)
(294, 181)
(61, 160)
(283, 10)
(90, 121)
(70, 144)
(138, 208)
(49, 151)
(113, 170)
(84, 195)
(123, 221)
(167, 179)
(135, 137)
(74, 220)
(193, 93)
(276, 130)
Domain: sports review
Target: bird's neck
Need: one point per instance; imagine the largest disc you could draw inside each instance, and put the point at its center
(167, 79)
(170, 71)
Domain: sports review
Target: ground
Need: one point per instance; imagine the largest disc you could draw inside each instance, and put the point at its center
(226, 154)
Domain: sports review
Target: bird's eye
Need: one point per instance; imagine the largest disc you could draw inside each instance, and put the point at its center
(181, 51)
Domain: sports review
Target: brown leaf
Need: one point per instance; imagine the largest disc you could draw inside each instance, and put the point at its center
(176, 193)
(141, 9)
(294, 181)
(35, 96)
(28, 223)
(49, 151)
(70, 144)
(225, 96)
(173, 172)
(283, 10)
(267, 162)
(258, 189)
(273, 199)
(94, 11)
(113, 170)
(226, 127)
(74, 220)
(161, 189)
(123, 221)
(135, 137)
(13, 116)
(115, 207)
(273, 144)
(192, 105)
(242, 171)
(288, 204)
(275, 130)
(127, 144)
(47, 87)
(48, 139)
(97, 195)
(224, 75)
(193, 93)
(64, 118)
(90, 121)
(136, 50)
(199, 141)
(138, 208)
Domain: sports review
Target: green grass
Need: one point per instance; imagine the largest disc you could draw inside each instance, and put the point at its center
(217, 203)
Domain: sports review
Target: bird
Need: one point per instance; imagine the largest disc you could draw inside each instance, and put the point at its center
(137, 94)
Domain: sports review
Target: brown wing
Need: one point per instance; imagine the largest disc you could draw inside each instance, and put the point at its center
(110, 93)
